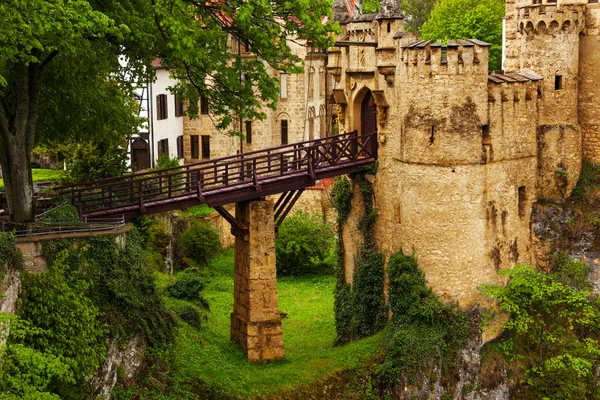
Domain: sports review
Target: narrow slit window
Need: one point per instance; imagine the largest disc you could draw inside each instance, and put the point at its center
(522, 201)
(485, 135)
(432, 137)
(558, 82)
(203, 105)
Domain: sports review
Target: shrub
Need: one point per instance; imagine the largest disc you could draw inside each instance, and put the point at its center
(552, 335)
(303, 245)
(90, 161)
(187, 287)
(164, 161)
(200, 243)
(63, 214)
(191, 316)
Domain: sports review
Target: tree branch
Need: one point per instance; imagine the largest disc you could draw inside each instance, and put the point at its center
(48, 59)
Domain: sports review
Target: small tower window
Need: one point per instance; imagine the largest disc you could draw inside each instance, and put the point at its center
(485, 135)
(389, 27)
(432, 137)
(558, 82)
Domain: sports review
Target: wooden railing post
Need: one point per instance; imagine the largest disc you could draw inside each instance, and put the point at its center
(141, 196)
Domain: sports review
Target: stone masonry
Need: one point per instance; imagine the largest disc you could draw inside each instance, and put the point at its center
(464, 152)
(255, 320)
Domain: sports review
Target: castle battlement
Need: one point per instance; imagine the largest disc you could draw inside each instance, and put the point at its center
(455, 58)
(551, 18)
(514, 87)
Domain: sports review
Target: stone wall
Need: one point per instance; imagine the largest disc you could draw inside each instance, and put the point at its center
(589, 83)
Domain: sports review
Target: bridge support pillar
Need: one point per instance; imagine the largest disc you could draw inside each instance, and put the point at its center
(255, 320)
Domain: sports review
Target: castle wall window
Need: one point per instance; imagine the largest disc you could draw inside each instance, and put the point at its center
(522, 201)
(203, 105)
(205, 146)
(163, 147)
(178, 107)
(249, 132)
(485, 135)
(161, 107)
(284, 131)
(180, 146)
(195, 146)
(558, 82)
(283, 86)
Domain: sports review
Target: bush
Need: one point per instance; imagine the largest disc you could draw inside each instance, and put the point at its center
(200, 243)
(89, 161)
(191, 316)
(552, 337)
(164, 161)
(187, 287)
(304, 245)
(63, 214)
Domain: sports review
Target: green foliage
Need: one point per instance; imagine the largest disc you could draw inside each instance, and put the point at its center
(164, 161)
(342, 198)
(423, 328)
(93, 160)
(416, 12)
(200, 243)
(588, 184)
(468, 19)
(201, 210)
(552, 334)
(191, 316)
(7, 247)
(63, 214)
(305, 244)
(359, 308)
(188, 287)
(61, 327)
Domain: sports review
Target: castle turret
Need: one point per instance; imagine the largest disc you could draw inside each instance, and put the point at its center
(548, 37)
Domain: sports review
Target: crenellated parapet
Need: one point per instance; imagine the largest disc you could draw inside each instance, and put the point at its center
(551, 18)
(455, 58)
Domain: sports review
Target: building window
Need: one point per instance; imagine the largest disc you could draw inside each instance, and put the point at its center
(195, 146)
(249, 132)
(163, 147)
(558, 82)
(178, 107)
(205, 146)
(284, 131)
(203, 105)
(161, 107)
(283, 85)
(179, 146)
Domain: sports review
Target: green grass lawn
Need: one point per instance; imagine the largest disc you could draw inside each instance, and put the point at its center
(41, 175)
(201, 210)
(308, 333)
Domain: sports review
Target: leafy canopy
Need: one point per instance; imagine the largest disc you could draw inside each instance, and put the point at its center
(468, 19)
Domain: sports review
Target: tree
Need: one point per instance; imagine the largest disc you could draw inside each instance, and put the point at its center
(416, 12)
(468, 19)
(59, 58)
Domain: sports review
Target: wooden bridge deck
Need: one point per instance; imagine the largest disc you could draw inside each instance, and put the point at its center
(230, 179)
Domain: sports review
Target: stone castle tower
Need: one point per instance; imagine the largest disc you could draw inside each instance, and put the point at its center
(464, 154)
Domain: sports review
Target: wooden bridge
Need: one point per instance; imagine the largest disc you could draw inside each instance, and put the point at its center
(243, 177)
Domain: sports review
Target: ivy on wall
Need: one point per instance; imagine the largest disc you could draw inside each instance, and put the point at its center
(360, 308)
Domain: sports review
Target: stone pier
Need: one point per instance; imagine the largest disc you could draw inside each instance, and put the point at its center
(255, 321)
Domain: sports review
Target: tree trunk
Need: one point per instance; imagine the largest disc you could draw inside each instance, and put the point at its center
(18, 182)
(17, 134)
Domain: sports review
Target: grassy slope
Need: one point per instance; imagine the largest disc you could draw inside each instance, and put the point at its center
(308, 332)
(41, 175)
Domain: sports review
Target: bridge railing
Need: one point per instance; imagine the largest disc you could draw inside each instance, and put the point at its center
(225, 173)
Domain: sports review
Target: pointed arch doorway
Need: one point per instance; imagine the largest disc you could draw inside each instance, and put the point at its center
(368, 119)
